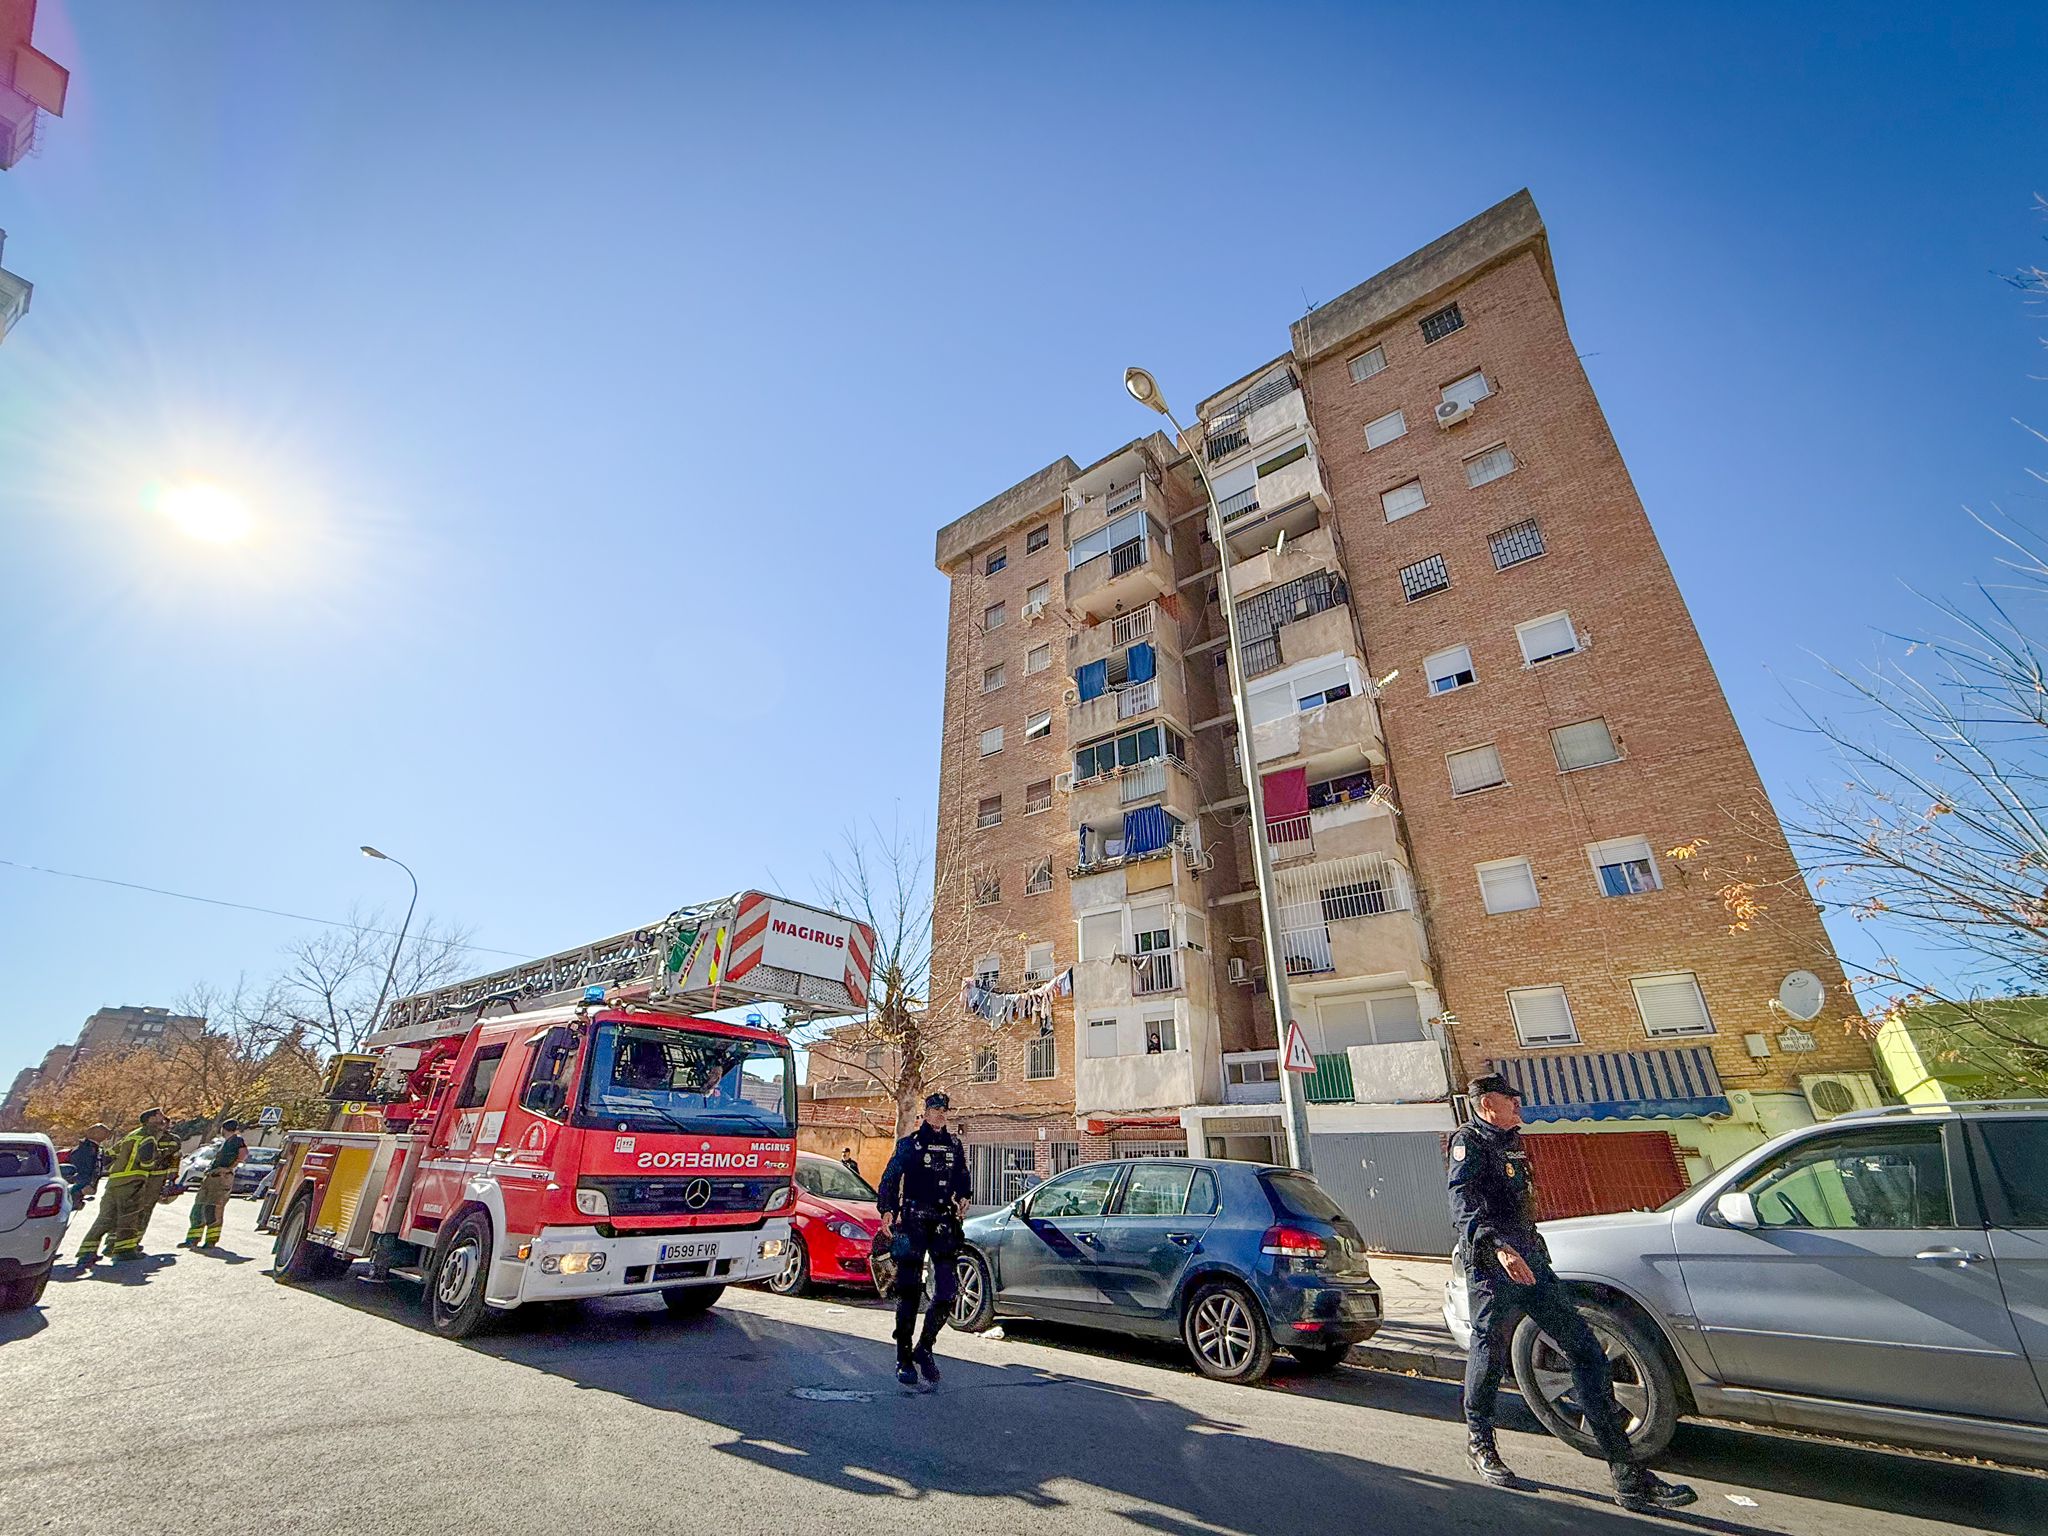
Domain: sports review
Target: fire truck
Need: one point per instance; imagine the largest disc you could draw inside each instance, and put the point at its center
(573, 1127)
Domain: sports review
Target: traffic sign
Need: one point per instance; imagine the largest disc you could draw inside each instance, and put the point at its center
(1299, 1057)
(271, 1115)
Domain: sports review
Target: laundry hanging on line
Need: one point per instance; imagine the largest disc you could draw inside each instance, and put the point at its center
(999, 1008)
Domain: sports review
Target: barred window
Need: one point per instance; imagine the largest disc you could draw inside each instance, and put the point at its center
(984, 1066)
(997, 560)
(993, 617)
(1039, 881)
(992, 741)
(1587, 744)
(1042, 1058)
(1037, 659)
(1424, 577)
(1038, 538)
(1514, 544)
(988, 886)
(990, 812)
(1439, 325)
(1038, 797)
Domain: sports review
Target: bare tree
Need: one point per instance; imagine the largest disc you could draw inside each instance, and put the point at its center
(331, 978)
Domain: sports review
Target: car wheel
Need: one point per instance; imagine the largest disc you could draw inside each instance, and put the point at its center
(690, 1300)
(974, 1308)
(1645, 1384)
(298, 1258)
(17, 1295)
(1319, 1357)
(462, 1267)
(1226, 1332)
(794, 1278)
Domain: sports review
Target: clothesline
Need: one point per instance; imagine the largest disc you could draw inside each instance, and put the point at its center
(999, 1008)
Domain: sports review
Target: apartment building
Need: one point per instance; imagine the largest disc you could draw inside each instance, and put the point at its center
(1481, 717)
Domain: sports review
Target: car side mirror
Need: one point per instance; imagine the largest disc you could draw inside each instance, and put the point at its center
(1737, 1210)
(1021, 1207)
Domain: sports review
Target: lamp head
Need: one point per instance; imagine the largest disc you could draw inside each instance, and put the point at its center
(371, 853)
(1144, 389)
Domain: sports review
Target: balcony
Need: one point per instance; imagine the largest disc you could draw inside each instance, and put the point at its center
(1137, 1084)
(1303, 555)
(1270, 407)
(1107, 712)
(1155, 973)
(1147, 625)
(1330, 1083)
(1101, 800)
(1344, 726)
(1291, 837)
(1351, 917)
(1399, 1072)
(14, 296)
(1115, 980)
(1354, 829)
(1131, 573)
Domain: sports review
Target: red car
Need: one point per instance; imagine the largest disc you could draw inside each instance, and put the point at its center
(833, 1227)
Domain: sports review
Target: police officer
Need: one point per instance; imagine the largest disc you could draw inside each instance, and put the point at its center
(1507, 1266)
(135, 1180)
(215, 1185)
(925, 1192)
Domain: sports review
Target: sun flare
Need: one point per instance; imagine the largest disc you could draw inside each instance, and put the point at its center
(203, 510)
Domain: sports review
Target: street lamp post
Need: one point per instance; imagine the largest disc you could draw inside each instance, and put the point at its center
(397, 949)
(1293, 1092)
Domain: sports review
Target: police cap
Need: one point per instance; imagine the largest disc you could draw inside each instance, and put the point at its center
(231, 1125)
(1492, 1082)
(937, 1101)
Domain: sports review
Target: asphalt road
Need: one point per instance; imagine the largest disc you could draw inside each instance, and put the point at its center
(193, 1394)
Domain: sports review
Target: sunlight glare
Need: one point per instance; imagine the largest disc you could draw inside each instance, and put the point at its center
(203, 510)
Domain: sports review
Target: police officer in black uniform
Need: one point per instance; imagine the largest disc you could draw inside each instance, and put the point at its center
(1507, 1266)
(925, 1192)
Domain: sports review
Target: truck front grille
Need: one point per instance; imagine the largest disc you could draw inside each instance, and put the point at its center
(672, 1196)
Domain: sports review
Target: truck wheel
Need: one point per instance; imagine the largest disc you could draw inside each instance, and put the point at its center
(17, 1295)
(1225, 1330)
(1644, 1382)
(462, 1268)
(690, 1300)
(298, 1258)
(974, 1308)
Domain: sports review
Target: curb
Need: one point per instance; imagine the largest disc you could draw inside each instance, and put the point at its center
(1409, 1360)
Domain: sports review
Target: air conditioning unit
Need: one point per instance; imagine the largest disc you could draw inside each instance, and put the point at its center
(1034, 610)
(1451, 412)
(1064, 782)
(1240, 970)
(1836, 1093)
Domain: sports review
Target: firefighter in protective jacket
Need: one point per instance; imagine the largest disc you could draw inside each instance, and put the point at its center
(925, 1193)
(134, 1182)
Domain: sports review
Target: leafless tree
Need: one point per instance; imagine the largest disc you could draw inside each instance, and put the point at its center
(331, 978)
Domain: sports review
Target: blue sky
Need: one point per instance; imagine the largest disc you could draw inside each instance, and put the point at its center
(601, 373)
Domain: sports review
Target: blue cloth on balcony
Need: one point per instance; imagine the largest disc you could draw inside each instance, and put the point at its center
(1146, 829)
(1141, 663)
(1093, 679)
(1617, 1085)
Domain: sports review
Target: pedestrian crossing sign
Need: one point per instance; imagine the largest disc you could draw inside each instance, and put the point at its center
(272, 1115)
(1299, 1058)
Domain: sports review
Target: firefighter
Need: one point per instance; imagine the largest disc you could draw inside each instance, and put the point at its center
(134, 1182)
(924, 1194)
(215, 1185)
(1508, 1273)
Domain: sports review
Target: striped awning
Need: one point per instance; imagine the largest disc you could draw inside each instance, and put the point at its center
(1617, 1085)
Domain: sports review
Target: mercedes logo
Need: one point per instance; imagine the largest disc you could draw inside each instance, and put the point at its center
(697, 1194)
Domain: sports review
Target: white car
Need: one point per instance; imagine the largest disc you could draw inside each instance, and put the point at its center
(35, 1208)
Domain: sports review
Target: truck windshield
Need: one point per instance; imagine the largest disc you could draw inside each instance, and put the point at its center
(652, 1079)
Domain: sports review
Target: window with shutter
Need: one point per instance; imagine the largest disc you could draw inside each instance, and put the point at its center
(1672, 1004)
(990, 811)
(1490, 465)
(1366, 364)
(1508, 885)
(1102, 935)
(1450, 669)
(1039, 658)
(1542, 1016)
(1102, 1035)
(1474, 769)
(1547, 638)
(997, 559)
(1038, 797)
(1038, 963)
(1038, 879)
(1469, 390)
(1624, 866)
(1038, 538)
(1383, 431)
(992, 678)
(993, 617)
(1038, 725)
(1586, 744)
(1402, 500)
(1040, 592)
(992, 741)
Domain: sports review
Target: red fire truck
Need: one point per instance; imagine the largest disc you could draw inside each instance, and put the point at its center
(572, 1127)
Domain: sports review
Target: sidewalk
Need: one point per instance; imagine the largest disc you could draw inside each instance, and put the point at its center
(1413, 1339)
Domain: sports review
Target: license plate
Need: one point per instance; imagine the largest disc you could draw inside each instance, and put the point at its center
(670, 1252)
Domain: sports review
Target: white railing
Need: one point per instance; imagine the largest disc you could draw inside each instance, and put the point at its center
(1155, 972)
(1369, 885)
(1307, 950)
(1146, 779)
(1137, 698)
(1125, 496)
(1291, 837)
(1126, 627)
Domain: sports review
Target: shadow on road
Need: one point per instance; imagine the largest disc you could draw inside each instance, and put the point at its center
(818, 1403)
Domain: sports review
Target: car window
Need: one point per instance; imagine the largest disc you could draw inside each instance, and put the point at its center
(1298, 1195)
(2019, 1167)
(1891, 1178)
(807, 1178)
(1083, 1192)
(23, 1160)
(1156, 1189)
(263, 1154)
(1202, 1196)
(482, 1071)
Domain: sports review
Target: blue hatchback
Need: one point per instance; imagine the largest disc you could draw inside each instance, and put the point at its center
(1234, 1259)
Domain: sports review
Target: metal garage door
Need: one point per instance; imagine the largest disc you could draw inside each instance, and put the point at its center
(1392, 1184)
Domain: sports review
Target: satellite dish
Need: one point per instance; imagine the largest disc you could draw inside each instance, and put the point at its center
(1802, 995)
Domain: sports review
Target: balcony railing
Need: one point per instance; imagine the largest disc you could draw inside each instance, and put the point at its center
(1125, 496)
(1331, 1081)
(1139, 782)
(1156, 972)
(1261, 656)
(1291, 837)
(1137, 699)
(1307, 950)
(1126, 558)
(1265, 392)
(1128, 627)
(1243, 503)
(1225, 441)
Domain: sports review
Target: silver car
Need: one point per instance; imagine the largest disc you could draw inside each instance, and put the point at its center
(1883, 1275)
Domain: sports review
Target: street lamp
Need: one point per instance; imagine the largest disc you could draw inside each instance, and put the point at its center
(398, 948)
(1293, 1093)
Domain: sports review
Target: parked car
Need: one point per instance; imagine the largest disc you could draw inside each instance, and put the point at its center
(35, 1208)
(195, 1163)
(833, 1227)
(1233, 1259)
(1882, 1275)
(256, 1166)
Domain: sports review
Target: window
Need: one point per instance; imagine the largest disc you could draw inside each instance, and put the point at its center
(1508, 885)
(1469, 390)
(1425, 577)
(1101, 1042)
(1547, 638)
(1402, 500)
(1542, 1016)
(1039, 658)
(1040, 592)
(992, 678)
(993, 618)
(1383, 431)
(1038, 880)
(1160, 1035)
(1127, 751)
(1038, 797)
(1038, 725)
(1474, 769)
(1513, 545)
(1366, 364)
(1312, 697)
(483, 1071)
(1355, 898)
(1385, 1018)
(1037, 538)
(873, 1060)
(1042, 1058)
(1439, 325)
(984, 1069)
(988, 886)
(1261, 1069)
(992, 741)
(1038, 963)
(997, 559)
(1156, 1189)
(1450, 669)
(1490, 465)
(1587, 744)
(2019, 1166)
(1282, 460)
(1887, 1179)
(1625, 866)
(1125, 530)
(1672, 1004)
(990, 812)
(1102, 935)
(1082, 1192)
(1341, 790)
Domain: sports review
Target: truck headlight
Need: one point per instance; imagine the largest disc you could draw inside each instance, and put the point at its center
(779, 1199)
(591, 1202)
(772, 1248)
